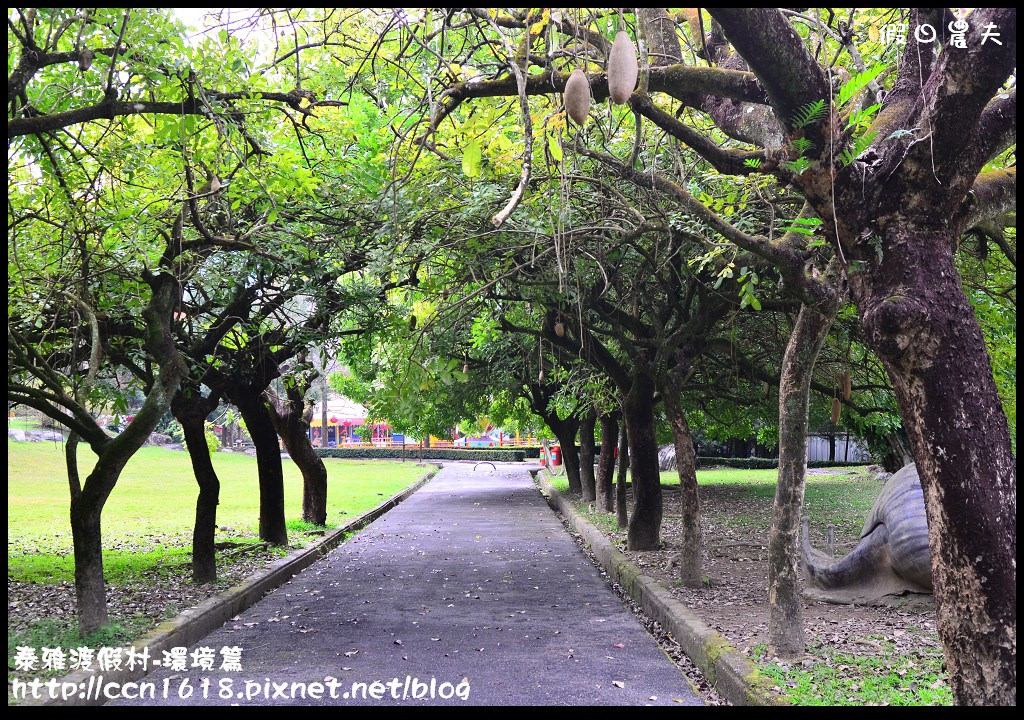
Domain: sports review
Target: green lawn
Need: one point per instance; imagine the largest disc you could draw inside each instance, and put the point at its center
(840, 499)
(891, 676)
(148, 517)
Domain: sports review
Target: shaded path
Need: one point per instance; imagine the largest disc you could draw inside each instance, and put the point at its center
(472, 577)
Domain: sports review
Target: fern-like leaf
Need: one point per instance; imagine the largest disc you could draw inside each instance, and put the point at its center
(799, 165)
(862, 116)
(857, 83)
(809, 113)
(801, 145)
(860, 145)
(804, 226)
(752, 162)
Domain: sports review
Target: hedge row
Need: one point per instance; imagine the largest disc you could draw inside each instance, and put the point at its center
(476, 454)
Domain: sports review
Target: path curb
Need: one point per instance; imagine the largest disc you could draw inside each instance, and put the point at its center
(197, 622)
(732, 674)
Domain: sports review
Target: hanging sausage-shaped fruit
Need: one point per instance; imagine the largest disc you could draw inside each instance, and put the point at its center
(577, 96)
(622, 68)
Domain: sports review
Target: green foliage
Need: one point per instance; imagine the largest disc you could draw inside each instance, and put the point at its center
(804, 226)
(891, 676)
(860, 145)
(810, 113)
(471, 157)
(857, 83)
(798, 166)
(63, 633)
(862, 117)
(801, 145)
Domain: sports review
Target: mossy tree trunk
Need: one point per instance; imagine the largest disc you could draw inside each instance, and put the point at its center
(588, 481)
(606, 463)
(689, 559)
(785, 617)
(918, 320)
(621, 499)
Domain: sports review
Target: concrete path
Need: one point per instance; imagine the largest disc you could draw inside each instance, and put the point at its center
(472, 581)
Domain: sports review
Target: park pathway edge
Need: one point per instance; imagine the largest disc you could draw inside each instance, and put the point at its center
(731, 673)
(198, 621)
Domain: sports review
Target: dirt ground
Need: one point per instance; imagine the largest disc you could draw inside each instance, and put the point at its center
(734, 599)
(736, 602)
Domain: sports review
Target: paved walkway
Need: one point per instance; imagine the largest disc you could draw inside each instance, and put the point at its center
(472, 577)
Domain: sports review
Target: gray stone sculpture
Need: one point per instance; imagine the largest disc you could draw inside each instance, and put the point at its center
(892, 557)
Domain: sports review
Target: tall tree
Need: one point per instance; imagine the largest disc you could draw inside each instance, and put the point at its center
(874, 173)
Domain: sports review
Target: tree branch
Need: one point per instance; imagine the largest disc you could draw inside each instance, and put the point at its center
(679, 81)
(993, 194)
(778, 57)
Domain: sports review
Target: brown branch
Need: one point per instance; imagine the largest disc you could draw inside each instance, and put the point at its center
(726, 161)
(679, 81)
(778, 57)
(993, 194)
(996, 131)
(955, 96)
(187, 106)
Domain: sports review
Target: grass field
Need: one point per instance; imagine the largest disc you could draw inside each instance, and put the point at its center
(148, 517)
(840, 499)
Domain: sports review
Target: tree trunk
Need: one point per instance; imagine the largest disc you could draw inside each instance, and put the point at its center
(587, 480)
(204, 563)
(268, 460)
(606, 463)
(785, 617)
(920, 323)
(90, 590)
(689, 559)
(565, 431)
(571, 460)
(898, 455)
(638, 411)
(291, 420)
(621, 509)
(832, 446)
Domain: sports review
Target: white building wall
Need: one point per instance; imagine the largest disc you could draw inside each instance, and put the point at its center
(817, 449)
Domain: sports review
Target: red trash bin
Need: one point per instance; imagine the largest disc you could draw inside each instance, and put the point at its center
(556, 453)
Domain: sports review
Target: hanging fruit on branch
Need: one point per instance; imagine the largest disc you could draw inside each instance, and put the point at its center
(622, 68)
(845, 383)
(559, 329)
(836, 410)
(577, 96)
